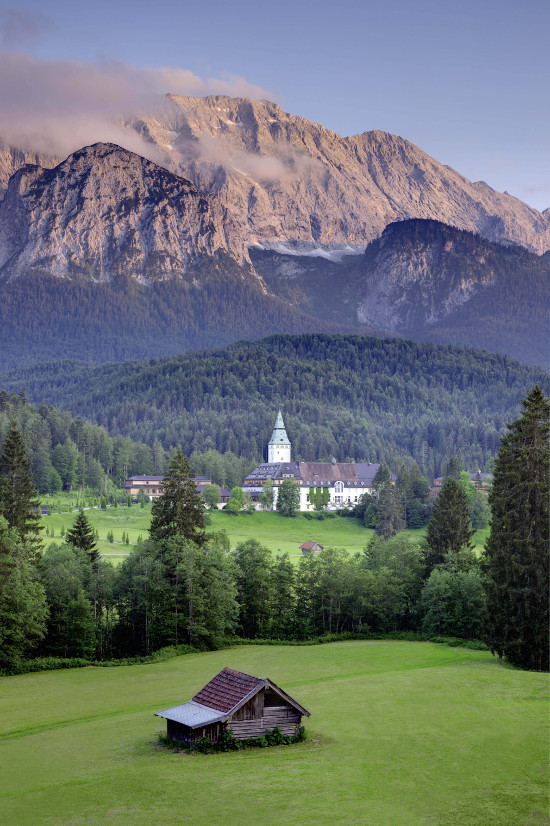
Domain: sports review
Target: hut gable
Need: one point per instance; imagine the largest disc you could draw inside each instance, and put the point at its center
(227, 690)
(248, 705)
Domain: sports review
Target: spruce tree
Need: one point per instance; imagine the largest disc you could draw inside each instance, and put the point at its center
(516, 561)
(81, 535)
(178, 511)
(449, 529)
(390, 513)
(18, 496)
(382, 477)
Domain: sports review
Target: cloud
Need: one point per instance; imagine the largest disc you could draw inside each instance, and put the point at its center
(57, 106)
(501, 163)
(216, 151)
(538, 189)
(285, 162)
(17, 28)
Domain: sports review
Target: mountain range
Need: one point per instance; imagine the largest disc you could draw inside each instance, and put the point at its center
(253, 221)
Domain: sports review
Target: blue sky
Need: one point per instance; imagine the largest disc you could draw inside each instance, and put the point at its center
(468, 82)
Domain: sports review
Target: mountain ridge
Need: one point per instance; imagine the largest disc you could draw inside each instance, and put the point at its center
(284, 178)
(105, 211)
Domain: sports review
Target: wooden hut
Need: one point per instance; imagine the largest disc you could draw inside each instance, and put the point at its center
(247, 705)
(311, 548)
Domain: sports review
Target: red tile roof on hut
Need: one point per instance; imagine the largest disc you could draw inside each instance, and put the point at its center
(311, 548)
(227, 689)
(248, 705)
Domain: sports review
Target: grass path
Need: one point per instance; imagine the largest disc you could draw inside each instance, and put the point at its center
(401, 733)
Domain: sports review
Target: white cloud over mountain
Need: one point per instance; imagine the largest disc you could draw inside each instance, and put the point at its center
(56, 106)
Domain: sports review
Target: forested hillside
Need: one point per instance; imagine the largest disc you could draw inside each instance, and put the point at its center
(43, 318)
(67, 452)
(344, 396)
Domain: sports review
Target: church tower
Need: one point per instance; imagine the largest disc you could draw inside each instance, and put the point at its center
(278, 448)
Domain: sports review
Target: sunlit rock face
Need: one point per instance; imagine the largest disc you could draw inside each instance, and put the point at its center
(284, 178)
(105, 212)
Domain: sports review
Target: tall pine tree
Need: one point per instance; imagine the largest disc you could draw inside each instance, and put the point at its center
(516, 562)
(81, 535)
(18, 496)
(449, 529)
(178, 511)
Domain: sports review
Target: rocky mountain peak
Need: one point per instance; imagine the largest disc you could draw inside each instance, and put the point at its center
(105, 211)
(287, 179)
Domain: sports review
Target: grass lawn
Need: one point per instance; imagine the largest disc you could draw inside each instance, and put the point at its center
(134, 521)
(279, 533)
(401, 733)
(270, 529)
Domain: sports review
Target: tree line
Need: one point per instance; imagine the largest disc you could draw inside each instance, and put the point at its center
(68, 453)
(184, 585)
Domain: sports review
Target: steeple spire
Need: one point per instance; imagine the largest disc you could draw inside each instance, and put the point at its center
(278, 448)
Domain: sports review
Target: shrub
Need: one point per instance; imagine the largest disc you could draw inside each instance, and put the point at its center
(205, 746)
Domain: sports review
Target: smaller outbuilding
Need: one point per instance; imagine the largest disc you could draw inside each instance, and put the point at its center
(249, 706)
(311, 548)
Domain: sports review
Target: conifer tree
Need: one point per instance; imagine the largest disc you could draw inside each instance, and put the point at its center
(449, 529)
(18, 496)
(390, 513)
(178, 511)
(516, 562)
(81, 535)
(382, 477)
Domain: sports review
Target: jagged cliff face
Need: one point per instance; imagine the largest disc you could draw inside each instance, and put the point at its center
(12, 158)
(106, 211)
(420, 272)
(411, 281)
(428, 281)
(284, 178)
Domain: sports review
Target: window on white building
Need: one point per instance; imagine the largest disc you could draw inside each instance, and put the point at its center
(339, 487)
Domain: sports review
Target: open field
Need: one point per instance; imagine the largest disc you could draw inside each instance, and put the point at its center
(134, 521)
(270, 529)
(401, 734)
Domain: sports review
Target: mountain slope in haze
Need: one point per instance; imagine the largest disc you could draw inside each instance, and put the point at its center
(425, 280)
(108, 256)
(342, 396)
(105, 212)
(44, 318)
(285, 178)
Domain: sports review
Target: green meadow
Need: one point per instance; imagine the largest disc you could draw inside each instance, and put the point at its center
(400, 734)
(276, 532)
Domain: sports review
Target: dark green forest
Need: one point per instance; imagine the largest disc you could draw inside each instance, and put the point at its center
(66, 452)
(349, 397)
(44, 318)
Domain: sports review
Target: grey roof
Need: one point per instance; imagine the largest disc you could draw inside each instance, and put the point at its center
(352, 474)
(192, 714)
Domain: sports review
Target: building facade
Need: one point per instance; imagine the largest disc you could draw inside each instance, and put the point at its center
(152, 486)
(338, 484)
